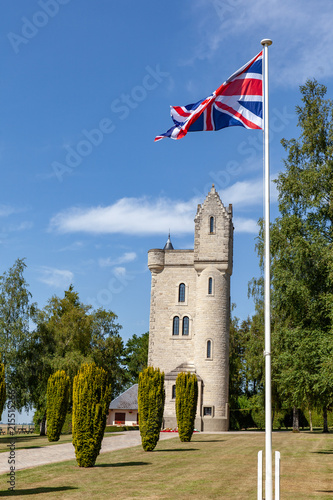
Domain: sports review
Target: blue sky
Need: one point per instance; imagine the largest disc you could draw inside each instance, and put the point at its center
(84, 89)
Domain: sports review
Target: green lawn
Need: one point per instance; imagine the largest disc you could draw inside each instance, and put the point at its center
(211, 466)
(30, 441)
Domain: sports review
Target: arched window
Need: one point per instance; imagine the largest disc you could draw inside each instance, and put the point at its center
(186, 323)
(210, 286)
(211, 224)
(181, 293)
(175, 326)
(209, 349)
(173, 392)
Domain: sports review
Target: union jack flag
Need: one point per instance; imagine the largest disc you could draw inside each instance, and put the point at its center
(238, 102)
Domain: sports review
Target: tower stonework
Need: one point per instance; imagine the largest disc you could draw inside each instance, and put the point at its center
(190, 314)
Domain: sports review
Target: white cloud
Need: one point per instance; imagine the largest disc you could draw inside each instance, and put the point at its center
(302, 31)
(59, 278)
(108, 262)
(22, 226)
(242, 225)
(137, 216)
(126, 257)
(145, 216)
(76, 245)
(248, 193)
(7, 210)
(120, 271)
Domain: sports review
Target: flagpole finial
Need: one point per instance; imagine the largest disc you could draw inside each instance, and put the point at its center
(266, 41)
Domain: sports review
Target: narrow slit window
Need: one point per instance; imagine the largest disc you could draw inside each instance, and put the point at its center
(173, 392)
(211, 225)
(181, 293)
(186, 323)
(210, 286)
(209, 349)
(175, 326)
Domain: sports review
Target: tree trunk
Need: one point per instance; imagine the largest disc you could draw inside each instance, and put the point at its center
(310, 421)
(42, 426)
(295, 419)
(325, 426)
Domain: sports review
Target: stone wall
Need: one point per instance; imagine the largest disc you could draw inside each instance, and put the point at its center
(208, 312)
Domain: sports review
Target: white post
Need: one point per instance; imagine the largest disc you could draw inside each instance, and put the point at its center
(277, 475)
(267, 353)
(259, 494)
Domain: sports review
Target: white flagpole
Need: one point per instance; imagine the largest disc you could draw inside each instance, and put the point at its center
(267, 353)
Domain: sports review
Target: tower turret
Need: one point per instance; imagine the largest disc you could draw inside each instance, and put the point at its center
(190, 312)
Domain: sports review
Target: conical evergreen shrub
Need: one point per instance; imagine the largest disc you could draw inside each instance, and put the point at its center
(186, 404)
(91, 400)
(151, 397)
(57, 396)
(2, 388)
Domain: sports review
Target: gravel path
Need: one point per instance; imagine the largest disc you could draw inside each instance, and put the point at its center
(33, 457)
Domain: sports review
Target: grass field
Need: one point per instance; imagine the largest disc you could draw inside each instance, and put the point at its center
(30, 441)
(209, 467)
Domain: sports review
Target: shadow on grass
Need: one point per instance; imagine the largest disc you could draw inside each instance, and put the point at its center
(324, 452)
(210, 441)
(36, 491)
(123, 464)
(19, 438)
(176, 450)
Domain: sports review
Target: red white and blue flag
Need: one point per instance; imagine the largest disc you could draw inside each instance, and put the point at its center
(238, 102)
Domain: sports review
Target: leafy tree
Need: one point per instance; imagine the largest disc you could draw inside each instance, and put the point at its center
(236, 372)
(236, 363)
(16, 311)
(91, 400)
(2, 388)
(136, 357)
(69, 334)
(186, 404)
(246, 370)
(301, 252)
(151, 397)
(58, 387)
(107, 348)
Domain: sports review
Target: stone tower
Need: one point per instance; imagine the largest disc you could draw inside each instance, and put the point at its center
(190, 313)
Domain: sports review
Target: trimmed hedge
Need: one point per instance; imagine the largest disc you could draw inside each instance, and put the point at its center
(151, 397)
(186, 404)
(91, 400)
(121, 428)
(57, 396)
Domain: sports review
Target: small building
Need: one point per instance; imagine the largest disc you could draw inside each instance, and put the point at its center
(123, 410)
